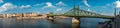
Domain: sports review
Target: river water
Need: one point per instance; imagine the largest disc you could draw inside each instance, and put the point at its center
(44, 23)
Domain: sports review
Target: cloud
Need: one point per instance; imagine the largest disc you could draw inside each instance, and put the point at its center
(88, 6)
(48, 5)
(117, 4)
(1, 1)
(25, 6)
(85, 2)
(107, 4)
(88, 9)
(61, 4)
(7, 6)
(59, 9)
(39, 4)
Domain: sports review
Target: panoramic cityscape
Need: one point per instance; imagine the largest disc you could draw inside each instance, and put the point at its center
(59, 13)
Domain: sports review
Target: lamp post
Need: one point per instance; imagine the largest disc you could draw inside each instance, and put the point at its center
(119, 12)
(113, 20)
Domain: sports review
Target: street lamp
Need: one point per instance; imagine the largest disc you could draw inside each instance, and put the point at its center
(113, 20)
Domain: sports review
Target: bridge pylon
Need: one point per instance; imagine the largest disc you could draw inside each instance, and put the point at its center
(50, 18)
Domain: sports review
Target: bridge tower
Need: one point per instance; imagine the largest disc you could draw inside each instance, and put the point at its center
(75, 19)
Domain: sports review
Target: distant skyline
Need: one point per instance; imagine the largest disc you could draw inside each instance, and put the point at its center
(44, 6)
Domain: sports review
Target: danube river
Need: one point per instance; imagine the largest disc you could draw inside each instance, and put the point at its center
(44, 23)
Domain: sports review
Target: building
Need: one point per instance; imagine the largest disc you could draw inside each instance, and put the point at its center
(1, 15)
(11, 15)
(34, 14)
(18, 15)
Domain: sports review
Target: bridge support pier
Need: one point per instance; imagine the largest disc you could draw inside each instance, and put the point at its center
(50, 18)
(75, 22)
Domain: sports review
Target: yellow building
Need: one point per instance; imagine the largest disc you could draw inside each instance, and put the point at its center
(34, 14)
(1, 15)
(18, 15)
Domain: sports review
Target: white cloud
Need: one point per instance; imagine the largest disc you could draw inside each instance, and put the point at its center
(39, 4)
(85, 2)
(1, 1)
(117, 3)
(105, 6)
(108, 4)
(25, 6)
(59, 9)
(49, 5)
(61, 4)
(88, 6)
(7, 6)
(88, 9)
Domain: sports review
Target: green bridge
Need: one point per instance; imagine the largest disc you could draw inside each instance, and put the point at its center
(77, 12)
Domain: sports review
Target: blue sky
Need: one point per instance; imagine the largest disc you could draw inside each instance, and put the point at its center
(58, 6)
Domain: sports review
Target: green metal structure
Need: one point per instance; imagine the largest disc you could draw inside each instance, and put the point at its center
(77, 12)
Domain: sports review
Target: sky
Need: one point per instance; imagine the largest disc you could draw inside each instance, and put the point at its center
(105, 7)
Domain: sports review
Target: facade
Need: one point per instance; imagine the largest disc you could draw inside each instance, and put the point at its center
(9, 15)
(18, 15)
(1, 15)
(34, 14)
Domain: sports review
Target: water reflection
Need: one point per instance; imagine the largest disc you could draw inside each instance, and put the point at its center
(44, 23)
(75, 25)
(91, 22)
(35, 23)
